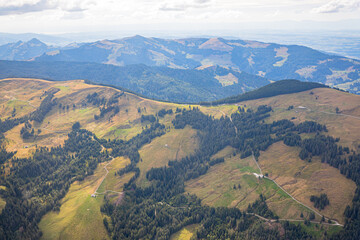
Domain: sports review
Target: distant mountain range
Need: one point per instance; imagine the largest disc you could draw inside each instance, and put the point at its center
(163, 83)
(24, 50)
(269, 60)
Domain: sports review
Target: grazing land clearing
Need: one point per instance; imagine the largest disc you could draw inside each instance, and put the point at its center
(79, 216)
(304, 179)
(175, 144)
(114, 182)
(185, 233)
(320, 106)
(217, 187)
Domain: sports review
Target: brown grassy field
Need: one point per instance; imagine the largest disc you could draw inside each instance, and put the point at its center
(216, 187)
(303, 179)
(322, 100)
(25, 95)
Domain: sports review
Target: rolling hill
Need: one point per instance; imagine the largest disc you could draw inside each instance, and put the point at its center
(161, 169)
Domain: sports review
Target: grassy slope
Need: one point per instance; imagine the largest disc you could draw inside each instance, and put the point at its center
(176, 144)
(112, 182)
(58, 122)
(322, 100)
(304, 179)
(79, 216)
(215, 188)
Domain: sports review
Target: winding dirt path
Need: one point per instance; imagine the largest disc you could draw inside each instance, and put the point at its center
(336, 223)
(103, 178)
(313, 210)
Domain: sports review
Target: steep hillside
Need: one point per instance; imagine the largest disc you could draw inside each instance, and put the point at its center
(81, 160)
(177, 85)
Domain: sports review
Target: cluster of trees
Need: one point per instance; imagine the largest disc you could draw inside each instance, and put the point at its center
(320, 202)
(260, 207)
(105, 110)
(151, 118)
(95, 99)
(46, 105)
(27, 131)
(105, 106)
(163, 112)
(7, 124)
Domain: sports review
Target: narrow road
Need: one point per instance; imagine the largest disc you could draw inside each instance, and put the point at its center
(292, 220)
(107, 172)
(319, 214)
(340, 114)
(236, 130)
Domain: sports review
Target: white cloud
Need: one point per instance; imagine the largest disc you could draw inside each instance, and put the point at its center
(184, 5)
(27, 6)
(335, 6)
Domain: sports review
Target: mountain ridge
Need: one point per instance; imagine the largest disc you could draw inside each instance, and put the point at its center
(179, 85)
(270, 60)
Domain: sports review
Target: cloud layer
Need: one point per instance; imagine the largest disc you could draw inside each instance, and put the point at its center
(28, 6)
(336, 6)
(97, 15)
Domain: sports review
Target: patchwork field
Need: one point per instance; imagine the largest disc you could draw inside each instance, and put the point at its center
(216, 187)
(304, 179)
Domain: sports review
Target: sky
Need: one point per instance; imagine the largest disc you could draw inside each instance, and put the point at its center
(60, 16)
